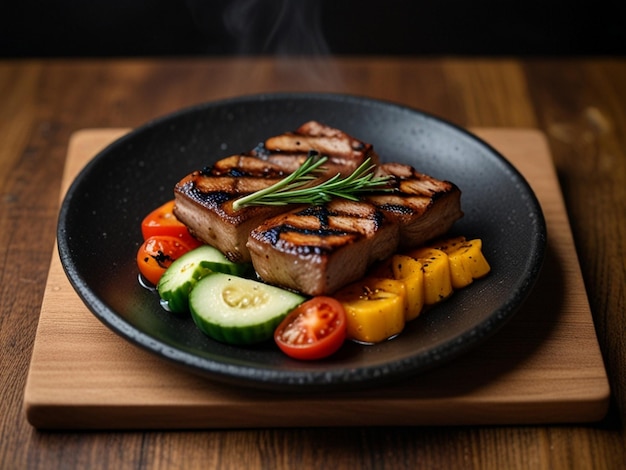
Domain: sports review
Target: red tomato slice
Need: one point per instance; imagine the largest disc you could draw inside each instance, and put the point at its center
(162, 222)
(157, 253)
(314, 330)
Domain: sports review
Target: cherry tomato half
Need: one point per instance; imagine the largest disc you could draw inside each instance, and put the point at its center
(313, 330)
(157, 253)
(162, 221)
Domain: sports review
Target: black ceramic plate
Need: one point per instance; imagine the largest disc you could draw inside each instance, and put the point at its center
(99, 234)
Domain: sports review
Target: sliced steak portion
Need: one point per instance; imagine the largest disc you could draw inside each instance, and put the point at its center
(318, 249)
(204, 199)
(313, 249)
(422, 206)
(204, 202)
(345, 153)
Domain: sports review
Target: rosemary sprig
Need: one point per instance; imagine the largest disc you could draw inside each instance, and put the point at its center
(295, 188)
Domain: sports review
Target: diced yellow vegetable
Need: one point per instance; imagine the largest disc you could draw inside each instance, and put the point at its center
(375, 309)
(397, 289)
(467, 263)
(460, 274)
(409, 271)
(437, 281)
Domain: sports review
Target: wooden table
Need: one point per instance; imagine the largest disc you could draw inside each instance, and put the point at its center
(579, 105)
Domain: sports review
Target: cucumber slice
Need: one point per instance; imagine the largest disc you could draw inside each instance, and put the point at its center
(239, 311)
(176, 283)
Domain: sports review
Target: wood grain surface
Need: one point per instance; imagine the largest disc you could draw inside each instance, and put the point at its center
(579, 105)
(545, 367)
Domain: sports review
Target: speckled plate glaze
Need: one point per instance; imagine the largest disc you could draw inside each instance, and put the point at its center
(99, 234)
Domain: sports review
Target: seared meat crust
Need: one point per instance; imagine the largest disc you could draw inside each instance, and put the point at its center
(204, 202)
(423, 207)
(204, 198)
(317, 249)
(313, 249)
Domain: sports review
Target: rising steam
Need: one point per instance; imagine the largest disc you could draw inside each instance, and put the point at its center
(276, 27)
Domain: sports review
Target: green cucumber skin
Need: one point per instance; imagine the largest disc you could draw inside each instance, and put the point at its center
(239, 336)
(174, 286)
(178, 298)
(206, 305)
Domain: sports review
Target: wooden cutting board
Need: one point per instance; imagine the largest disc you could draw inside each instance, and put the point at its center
(544, 366)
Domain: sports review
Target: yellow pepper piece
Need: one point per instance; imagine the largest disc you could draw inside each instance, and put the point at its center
(374, 309)
(467, 263)
(437, 280)
(409, 271)
(460, 275)
(466, 258)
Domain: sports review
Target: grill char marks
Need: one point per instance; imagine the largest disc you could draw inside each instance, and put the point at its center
(204, 198)
(313, 249)
(204, 202)
(344, 152)
(318, 249)
(422, 206)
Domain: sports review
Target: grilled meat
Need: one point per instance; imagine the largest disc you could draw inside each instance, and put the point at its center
(344, 152)
(318, 249)
(204, 198)
(423, 207)
(204, 202)
(313, 249)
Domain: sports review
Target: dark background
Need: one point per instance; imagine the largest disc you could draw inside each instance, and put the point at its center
(76, 28)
